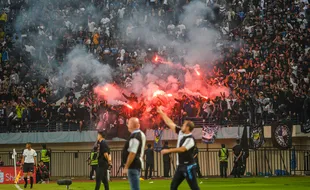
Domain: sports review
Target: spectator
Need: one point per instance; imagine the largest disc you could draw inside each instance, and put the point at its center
(149, 158)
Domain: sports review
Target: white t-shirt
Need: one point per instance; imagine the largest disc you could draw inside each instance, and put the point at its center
(121, 12)
(91, 26)
(105, 21)
(188, 143)
(29, 156)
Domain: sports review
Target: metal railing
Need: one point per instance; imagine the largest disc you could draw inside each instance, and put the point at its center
(265, 161)
(51, 126)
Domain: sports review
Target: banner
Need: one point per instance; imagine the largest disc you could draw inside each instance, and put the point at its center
(209, 134)
(157, 141)
(257, 138)
(7, 176)
(305, 127)
(281, 135)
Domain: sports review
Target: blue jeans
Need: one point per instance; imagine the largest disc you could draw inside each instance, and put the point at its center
(134, 179)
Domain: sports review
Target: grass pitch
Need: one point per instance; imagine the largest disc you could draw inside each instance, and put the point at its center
(273, 183)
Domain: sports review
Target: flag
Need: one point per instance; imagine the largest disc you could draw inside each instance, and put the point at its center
(257, 138)
(18, 177)
(157, 141)
(14, 154)
(281, 134)
(305, 127)
(209, 134)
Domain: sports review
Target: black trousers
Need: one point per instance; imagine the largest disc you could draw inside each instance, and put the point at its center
(167, 169)
(147, 167)
(237, 168)
(223, 169)
(102, 176)
(185, 172)
(198, 170)
(92, 171)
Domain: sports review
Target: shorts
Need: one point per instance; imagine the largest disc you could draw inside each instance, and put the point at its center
(28, 167)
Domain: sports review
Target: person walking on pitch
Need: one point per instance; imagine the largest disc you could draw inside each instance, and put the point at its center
(28, 162)
(186, 166)
(133, 153)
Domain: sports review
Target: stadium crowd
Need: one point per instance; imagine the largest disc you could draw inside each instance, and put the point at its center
(264, 61)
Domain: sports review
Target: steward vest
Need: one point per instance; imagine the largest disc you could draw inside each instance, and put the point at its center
(224, 157)
(44, 157)
(93, 161)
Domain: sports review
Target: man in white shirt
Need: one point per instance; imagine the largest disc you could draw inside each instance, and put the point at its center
(28, 162)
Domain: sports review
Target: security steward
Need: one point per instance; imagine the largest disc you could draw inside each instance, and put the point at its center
(45, 156)
(104, 162)
(223, 155)
(93, 162)
(238, 152)
(167, 162)
(186, 166)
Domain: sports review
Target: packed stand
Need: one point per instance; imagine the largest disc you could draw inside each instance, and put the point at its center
(264, 62)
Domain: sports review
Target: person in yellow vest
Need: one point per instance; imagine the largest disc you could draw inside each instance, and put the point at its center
(3, 17)
(223, 155)
(93, 162)
(45, 156)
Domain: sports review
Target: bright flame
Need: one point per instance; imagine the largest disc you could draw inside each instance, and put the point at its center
(128, 106)
(205, 97)
(158, 92)
(156, 58)
(197, 72)
(106, 89)
(162, 60)
(169, 95)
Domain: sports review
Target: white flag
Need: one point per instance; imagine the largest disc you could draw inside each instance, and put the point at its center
(14, 154)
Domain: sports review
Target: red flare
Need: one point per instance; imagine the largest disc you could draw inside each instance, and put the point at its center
(159, 59)
(128, 106)
(197, 72)
(158, 92)
(205, 97)
(156, 58)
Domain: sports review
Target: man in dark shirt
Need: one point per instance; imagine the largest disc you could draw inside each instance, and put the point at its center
(104, 162)
(70, 96)
(186, 166)
(149, 155)
(237, 159)
(167, 160)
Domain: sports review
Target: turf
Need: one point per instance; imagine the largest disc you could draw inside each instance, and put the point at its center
(274, 183)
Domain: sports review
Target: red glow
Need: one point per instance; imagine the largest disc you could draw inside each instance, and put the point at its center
(169, 95)
(197, 72)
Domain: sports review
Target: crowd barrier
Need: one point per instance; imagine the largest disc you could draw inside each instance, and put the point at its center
(262, 162)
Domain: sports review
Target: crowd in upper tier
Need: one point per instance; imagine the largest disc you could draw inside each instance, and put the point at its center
(266, 69)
